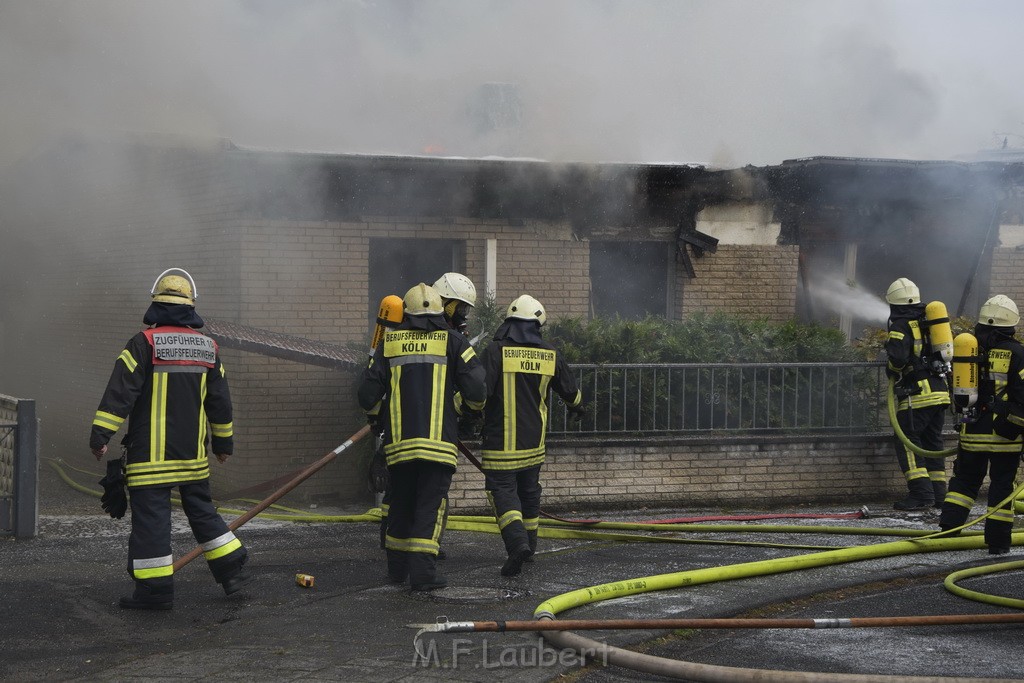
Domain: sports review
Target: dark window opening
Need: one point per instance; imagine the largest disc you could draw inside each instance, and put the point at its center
(629, 279)
(396, 265)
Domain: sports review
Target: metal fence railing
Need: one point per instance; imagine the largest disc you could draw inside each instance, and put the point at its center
(19, 504)
(728, 399)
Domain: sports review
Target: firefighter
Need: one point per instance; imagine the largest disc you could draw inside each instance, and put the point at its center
(458, 295)
(522, 370)
(411, 384)
(170, 386)
(992, 443)
(922, 396)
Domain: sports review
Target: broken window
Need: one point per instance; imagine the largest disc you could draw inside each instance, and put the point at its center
(630, 279)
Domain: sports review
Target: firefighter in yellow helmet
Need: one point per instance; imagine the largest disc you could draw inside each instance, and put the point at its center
(522, 371)
(992, 444)
(458, 295)
(169, 386)
(411, 383)
(922, 395)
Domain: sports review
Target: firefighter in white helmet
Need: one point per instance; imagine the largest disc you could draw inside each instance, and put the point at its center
(991, 444)
(411, 384)
(169, 386)
(522, 371)
(922, 396)
(458, 295)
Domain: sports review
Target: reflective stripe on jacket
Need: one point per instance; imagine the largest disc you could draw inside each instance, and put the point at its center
(170, 386)
(410, 385)
(519, 379)
(905, 353)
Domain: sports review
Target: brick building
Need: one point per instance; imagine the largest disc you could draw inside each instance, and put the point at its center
(307, 244)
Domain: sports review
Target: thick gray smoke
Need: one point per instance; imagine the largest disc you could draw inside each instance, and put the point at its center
(731, 82)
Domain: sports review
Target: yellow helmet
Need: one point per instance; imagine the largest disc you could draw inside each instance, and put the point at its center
(174, 289)
(423, 300)
(527, 308)
(903, 291)
(456, 286)
(999, 311)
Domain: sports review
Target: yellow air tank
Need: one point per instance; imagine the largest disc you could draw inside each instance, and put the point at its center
(388, 317)
(940, 334)
(965, 371)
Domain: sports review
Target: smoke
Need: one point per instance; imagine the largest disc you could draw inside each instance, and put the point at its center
(839, 297)
(731, 82)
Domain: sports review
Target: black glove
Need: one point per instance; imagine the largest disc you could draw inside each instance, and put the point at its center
(576, 414)
(379, 477)
(470, 424)
(114, 499)
(376, 426)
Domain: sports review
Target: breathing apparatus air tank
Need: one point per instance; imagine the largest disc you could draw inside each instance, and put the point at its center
(940, 335)
(389, 316)
(966, 374)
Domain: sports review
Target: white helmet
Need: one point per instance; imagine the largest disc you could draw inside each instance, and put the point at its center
(903, 291)
(456, 286)
(422, 300)
(174, 289)
(999, 311)
(527, 308)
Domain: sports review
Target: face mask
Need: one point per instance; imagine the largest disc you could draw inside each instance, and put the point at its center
(458, 315)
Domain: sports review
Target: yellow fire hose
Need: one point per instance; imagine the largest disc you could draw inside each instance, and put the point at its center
(904, 439)
(923, 541)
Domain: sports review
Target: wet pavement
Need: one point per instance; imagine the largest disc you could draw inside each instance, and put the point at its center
(61, 621)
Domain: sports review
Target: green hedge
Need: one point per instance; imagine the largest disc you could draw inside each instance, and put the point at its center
(700, 338)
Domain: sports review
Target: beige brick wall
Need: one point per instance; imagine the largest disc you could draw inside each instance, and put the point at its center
(676, 473)
(92, 248)
(1007, 275)
(754, 280)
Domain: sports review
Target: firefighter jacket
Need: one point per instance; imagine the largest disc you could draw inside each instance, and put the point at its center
(522, 370)
(908, 357)
(410, 385)
(169, 384)
(1000, 396)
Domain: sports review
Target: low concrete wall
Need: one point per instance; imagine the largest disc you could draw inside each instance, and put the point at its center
(659, 472)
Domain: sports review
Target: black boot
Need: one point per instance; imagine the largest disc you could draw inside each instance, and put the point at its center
(939, 491)
(398, 566)
(514, 564)
(143, 598)
(236, 582)
(423, 573)
(920, 496)
(532, 538)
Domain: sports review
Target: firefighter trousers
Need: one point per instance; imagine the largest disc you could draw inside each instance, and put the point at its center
(968, 474)
(419, 495)
(515, 497)
(923, 426)
(150, 562)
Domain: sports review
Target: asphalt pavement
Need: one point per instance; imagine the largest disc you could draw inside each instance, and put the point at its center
(61, 620)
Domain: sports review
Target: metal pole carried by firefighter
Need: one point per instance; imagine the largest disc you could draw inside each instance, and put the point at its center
(918, 351)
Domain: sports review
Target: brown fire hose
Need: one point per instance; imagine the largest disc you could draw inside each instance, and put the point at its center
(270, 500)
(548, 624)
